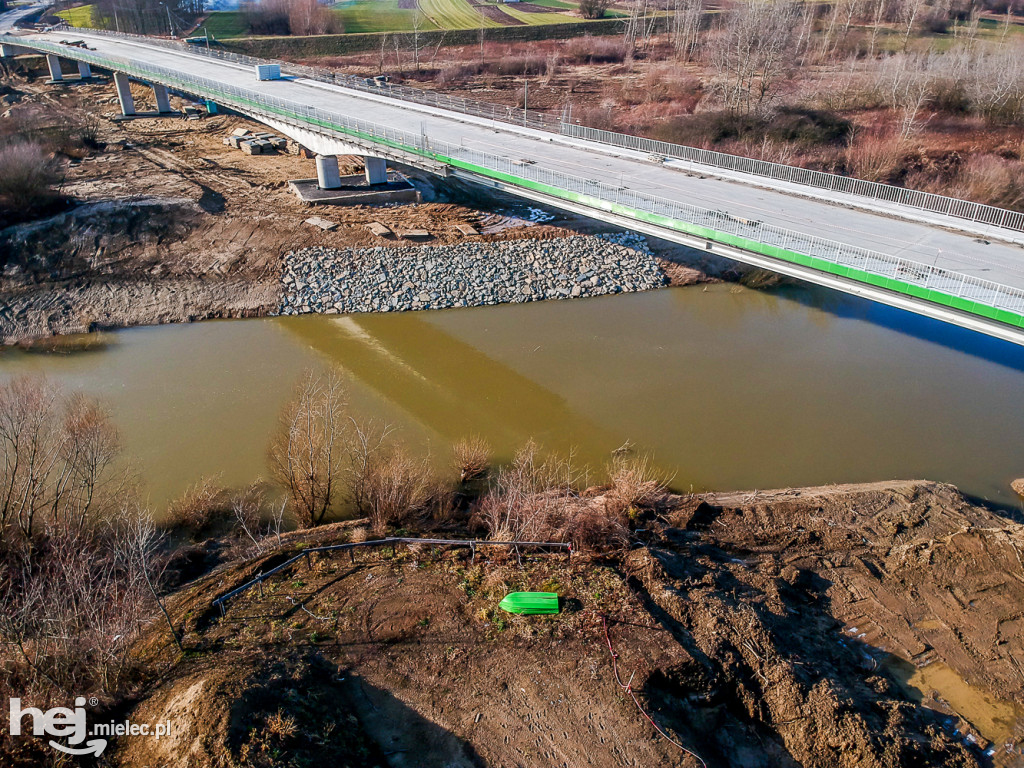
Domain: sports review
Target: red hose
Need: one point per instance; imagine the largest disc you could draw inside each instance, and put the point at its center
(628, 688)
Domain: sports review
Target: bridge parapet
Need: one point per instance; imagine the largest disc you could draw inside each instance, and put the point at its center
(849, 188)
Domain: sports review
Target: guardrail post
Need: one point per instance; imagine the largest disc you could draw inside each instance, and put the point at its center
(309, 562)
(260, 584)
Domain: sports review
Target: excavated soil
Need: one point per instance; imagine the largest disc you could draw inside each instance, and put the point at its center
(789, 628)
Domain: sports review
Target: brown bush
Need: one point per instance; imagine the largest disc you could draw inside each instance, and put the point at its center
(875, 157)
(992, 180)
(472, 458)
(28, 177)
(397, 489)
(58, 460)
(594, 50)
(589, 529)
(199, 506)
(634, 485)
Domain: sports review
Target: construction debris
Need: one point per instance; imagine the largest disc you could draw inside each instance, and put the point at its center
(414, 234)
(256, 143)
(467, 229)
(324, 224)
(379, 229)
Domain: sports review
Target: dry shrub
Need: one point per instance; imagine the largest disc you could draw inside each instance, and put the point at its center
(397, 489)
(538, 498)
(595, 50)
(524, 500)
(472, 458)
(634, 485)
(992, 180)
(591, 529)
(200, 505)
(28, 177)
(875, 157)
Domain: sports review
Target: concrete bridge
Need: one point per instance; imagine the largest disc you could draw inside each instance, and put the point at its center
(948, 259)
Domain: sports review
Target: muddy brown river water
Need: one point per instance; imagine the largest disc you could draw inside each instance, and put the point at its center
(726, 387)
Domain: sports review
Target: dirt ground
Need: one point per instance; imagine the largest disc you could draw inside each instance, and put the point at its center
(788, 628)
(171, 225)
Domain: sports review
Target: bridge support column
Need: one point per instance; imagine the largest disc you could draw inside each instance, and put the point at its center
(7, 51)
(53, 62)
(124, 94)
(376, 170)
(84, 70)
(163, 102)
(327, 175)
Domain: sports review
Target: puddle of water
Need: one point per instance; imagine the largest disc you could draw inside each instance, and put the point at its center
(995, 719)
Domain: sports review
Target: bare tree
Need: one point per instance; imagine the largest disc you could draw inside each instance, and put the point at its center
(686, 22)
(752, 54)
(307, 453)
(139, 543)
(58, 458)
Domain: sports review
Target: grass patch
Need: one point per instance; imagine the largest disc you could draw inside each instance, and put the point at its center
(226, 24)
(81, 16)
(455, 14)
(380, 16)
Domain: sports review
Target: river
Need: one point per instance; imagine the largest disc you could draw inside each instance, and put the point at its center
(728, 388)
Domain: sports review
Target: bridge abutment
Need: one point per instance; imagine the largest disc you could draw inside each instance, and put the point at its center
(327, 174)
(84, 70)
(124, 94)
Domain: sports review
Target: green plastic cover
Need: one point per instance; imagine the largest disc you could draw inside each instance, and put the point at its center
(530, 602)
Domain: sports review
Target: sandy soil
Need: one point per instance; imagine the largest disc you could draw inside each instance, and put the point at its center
(170, 225)
(764, 629)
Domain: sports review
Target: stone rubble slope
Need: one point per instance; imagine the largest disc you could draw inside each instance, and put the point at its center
(393, 279)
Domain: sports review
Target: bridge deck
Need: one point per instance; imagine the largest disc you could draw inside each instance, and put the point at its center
(956, 250)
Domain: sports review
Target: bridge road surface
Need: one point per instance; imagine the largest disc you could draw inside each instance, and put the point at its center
(956, 250)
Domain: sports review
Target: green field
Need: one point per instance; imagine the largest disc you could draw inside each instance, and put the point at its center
(369, 16)
(380, 16)
(79, 17)
(455, 14)
(223, 25)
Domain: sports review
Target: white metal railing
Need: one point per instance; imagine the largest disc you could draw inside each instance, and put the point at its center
(714, 225)
(910, 198)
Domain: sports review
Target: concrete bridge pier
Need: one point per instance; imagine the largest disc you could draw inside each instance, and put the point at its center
(124, 94)
(84, 70)
(327, 174)
(8, 51)
(163, 102)
(53, 63)
(376, 170)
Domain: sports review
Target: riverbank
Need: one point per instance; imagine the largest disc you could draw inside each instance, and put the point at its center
(787, 627)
